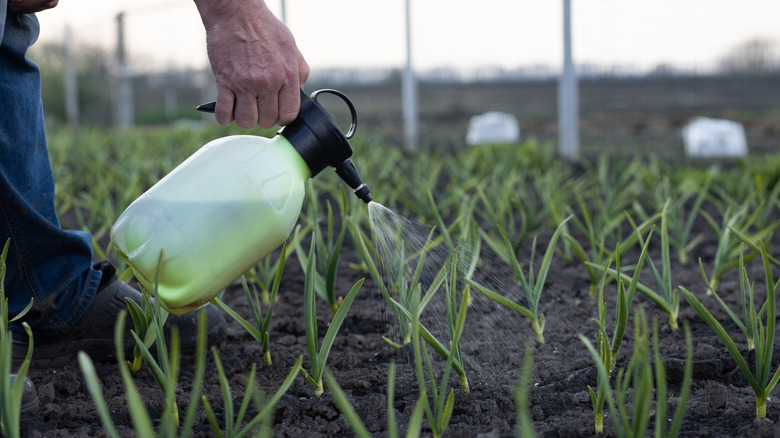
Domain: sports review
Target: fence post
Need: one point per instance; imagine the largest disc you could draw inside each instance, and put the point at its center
(71, 85)
(409, 91)
(124, 98)
(568, 105)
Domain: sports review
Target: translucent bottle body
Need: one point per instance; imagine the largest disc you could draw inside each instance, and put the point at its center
(212, 218)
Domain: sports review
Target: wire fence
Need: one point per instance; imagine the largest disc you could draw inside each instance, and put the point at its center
(644, 71)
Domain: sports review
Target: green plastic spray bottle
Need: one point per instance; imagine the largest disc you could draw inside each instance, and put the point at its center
(229, 205)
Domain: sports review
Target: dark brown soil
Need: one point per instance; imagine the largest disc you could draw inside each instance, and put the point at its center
(721, 403)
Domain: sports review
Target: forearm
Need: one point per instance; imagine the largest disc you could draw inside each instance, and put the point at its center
(219, 14)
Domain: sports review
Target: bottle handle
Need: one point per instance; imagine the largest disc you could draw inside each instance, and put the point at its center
(353, 112)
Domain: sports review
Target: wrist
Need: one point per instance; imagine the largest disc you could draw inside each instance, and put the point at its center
(213, 13)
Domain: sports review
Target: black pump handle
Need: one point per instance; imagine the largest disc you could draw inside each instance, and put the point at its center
(210, 106)
(352, 111)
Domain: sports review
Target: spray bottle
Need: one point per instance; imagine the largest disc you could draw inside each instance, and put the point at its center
(229, 205)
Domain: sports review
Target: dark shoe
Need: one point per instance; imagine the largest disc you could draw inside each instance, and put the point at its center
(30, 400)
(94, 332)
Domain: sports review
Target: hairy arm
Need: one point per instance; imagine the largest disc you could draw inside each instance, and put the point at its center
(257, 65)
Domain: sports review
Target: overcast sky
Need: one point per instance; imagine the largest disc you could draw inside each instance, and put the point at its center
(453, 33)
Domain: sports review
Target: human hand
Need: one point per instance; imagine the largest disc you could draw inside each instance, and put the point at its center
(30, 6)
(257, 65)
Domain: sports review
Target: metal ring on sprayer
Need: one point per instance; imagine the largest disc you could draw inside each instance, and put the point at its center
(346, 100)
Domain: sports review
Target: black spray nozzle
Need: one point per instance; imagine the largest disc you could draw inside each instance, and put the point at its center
(349, 174)
(320, 142)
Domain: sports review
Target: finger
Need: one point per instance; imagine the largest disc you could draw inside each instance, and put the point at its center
(30, 6)
(303, 69)
(245, 111)
(289, 105)
(223, 111)
(268, 108)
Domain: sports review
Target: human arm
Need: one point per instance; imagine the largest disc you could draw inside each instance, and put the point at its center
(257, 65)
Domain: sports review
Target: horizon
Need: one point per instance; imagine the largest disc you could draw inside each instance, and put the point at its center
(508, 34)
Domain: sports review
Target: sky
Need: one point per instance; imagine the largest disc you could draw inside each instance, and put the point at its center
(445, 33)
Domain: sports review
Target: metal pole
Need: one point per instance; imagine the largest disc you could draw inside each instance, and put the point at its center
(409, 91)
(124, 98)
(284, 12)
(71, 85)
(568, 105)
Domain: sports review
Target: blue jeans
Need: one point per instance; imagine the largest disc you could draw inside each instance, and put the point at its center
(46, 263)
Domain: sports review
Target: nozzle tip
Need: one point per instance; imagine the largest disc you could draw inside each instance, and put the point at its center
(363, 193)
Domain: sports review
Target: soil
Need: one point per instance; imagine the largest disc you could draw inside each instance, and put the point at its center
(721, 403)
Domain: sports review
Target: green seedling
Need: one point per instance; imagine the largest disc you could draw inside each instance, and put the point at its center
(439, 408)
(259, 331)
(664, 428)
(405, 269)
(667, 297)
(765, 189)
(451, 305)
(609, 190)
(749, 242)
(263, 275)
(328, 248)
(421, 173)
(11, 391)
(525, 424)
(432, 341)
(607, 348)
(319, 357)
(755, 189)
(750, 318)
(663, 279)
(759, 325)
(500, 207)
(604, 350)
(233, 420)
(532, 284)
(358, 428)
(553, 186)
(598, 255)
(409, 289)
(731, 235)
(368, 261)
(320, 285)
(142, 316)
(165, 367)
(329, 251)
(683, 214)
(169, 421)
(635, 382)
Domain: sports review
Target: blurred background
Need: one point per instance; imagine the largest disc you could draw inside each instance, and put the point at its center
(418, 71)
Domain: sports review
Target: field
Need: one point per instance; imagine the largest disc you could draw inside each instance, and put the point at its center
(510, 213)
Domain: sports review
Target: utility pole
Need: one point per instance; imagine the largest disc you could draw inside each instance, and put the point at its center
(409, 91)
(71, 84)
(568, 105)
(124, 98)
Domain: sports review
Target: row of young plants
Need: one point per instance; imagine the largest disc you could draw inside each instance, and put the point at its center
(502, 198)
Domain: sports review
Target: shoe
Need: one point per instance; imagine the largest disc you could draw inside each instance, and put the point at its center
(30, 399)
(94, 332)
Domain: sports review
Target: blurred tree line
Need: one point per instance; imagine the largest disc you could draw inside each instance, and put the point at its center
(754, 56)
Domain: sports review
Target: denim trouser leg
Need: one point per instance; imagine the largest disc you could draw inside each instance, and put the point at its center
(45, 262)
